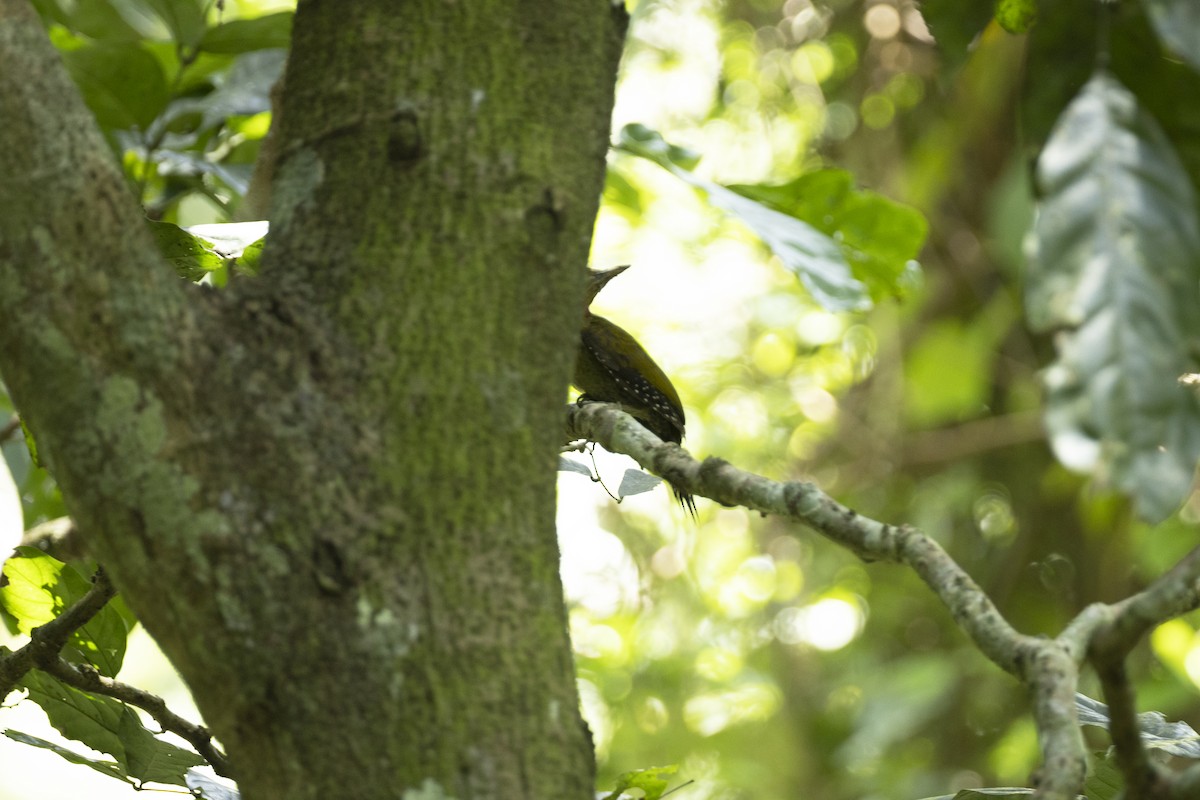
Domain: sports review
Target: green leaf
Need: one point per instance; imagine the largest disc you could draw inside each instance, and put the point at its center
(191, 256)
(150, 758)
(1016, 16)
(1116, 253)
(815, 257)
(649, 144)
(1177, 23)
(184, 18)
(634, 481)
(244, 91)
(650, 781)
(123, 85)
(240, 242)
(111, 727)
(879, 238)
(244, 35)
(1104, 780)
(108, 768)
(955, 24)
(29, 595)
(31, 443)
(97, 19)
(40, 587)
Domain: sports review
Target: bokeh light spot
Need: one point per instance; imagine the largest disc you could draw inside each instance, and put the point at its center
(882, 21)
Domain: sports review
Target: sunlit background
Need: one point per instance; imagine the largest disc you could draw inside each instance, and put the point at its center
(762, 660)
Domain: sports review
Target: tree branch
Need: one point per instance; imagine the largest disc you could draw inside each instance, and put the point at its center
(1050, 667)
(1142, 779)
(804, 502)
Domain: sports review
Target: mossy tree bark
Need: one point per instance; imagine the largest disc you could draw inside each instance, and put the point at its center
(328, 491)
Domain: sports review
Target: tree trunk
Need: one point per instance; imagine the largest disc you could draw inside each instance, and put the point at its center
(329, 491)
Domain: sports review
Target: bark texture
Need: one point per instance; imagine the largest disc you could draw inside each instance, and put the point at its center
(329, 492)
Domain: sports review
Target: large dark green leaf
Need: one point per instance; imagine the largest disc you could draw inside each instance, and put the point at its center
(955, 24)
(1117, 269)
(826, 239)
(111, 727)
(1177, 23)
(879, 238)
(40, 587)
(123, 85)
(184, 18)
(98, 19)
(244, 90)
(244, 35)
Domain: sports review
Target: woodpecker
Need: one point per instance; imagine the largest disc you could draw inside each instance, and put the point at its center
(613, 368)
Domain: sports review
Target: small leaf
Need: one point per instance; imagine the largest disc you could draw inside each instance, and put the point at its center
(210, 788)
(244, 35)
(650, 781)
(149, 758)
(634, 481)
(231, 239)
(649, 144)
(190, 256)
(571, 465)
(108, 768)
(40, 587)
(1016, 16)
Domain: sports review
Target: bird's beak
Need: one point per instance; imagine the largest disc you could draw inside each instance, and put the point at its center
(598, 278)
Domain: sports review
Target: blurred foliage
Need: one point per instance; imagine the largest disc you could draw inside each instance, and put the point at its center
(763, 661)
